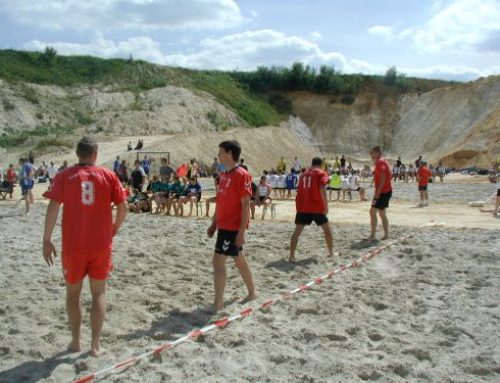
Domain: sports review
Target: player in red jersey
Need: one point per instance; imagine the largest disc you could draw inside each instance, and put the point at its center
(87, 192)
(383, 193)
(312, 205)
(424, 174)
(231, 220)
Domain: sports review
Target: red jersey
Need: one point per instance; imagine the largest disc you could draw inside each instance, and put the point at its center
(11, 175)
(382, 167)
(86, 192)
(233, 186)
(309, 198)
(424, 175)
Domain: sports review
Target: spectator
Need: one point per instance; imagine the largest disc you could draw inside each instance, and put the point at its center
(116, 165)
(27, 182)
(146, 165)
(281, 167)
(263, 197)
(52, 171)
(123, 172)
(138, 176)
(166, 171)
(193, 195)
(291, 182)
(129, 146)
(11, 178)
(296, 163)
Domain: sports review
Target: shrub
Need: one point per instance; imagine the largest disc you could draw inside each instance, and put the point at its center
(82, 119)
(8, 105)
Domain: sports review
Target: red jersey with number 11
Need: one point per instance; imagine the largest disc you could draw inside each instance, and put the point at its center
(309, 198)
(86, 193)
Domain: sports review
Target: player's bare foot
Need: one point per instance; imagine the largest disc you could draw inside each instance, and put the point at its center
(248, 298)
(96, 350)
(385, 238)
(74, 347)
(292, 259)
(370, 239)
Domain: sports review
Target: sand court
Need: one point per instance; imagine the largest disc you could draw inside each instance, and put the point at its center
(424, 310)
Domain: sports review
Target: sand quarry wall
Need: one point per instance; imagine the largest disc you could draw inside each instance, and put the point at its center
(460, 124)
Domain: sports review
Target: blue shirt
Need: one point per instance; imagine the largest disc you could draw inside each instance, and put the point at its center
(116, 164)
(291, 181)
(146, 164)
(194, 189)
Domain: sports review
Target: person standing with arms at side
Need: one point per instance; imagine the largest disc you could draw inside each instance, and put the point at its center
(27, 181)
(312, 205)
(87, 192)
(231, 219)
(382, 194)
(424, 174)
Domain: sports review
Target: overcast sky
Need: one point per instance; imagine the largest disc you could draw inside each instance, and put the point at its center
(448, 39)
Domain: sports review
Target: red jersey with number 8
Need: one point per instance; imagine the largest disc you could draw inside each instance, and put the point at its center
(309, 199)
(86, 192)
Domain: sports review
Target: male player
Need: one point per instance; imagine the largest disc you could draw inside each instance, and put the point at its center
(312, 205)
(87, 192)
(231, 220)
(382, 194)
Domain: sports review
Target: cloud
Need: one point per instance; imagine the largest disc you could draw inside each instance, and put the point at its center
(249, 50)
(381, 30)
(139, 47)
(458, 26)
(125, 14)
(316, 35)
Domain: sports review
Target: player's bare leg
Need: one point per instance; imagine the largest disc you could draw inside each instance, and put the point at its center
(385, 223)
(97, 314)
(74, 312)
(327, 231)
(293, 242)
(245, 272)
(373, 224)
(219, 264)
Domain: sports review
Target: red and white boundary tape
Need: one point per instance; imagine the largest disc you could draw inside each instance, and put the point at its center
(225, 321)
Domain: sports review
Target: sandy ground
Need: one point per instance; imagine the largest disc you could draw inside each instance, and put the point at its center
(425, 310)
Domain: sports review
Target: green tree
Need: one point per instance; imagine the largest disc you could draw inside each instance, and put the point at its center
(49, 56)
(391, 76)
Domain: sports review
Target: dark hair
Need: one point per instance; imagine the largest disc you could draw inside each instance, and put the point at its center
(232, 146)
(86, 147)
(376, 149)
(317, 161)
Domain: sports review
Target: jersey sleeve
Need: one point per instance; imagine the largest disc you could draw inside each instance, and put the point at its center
(323, 179)
(56, 191)
(118, 193)
(245, 186)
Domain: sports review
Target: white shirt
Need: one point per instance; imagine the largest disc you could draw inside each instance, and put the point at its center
(263, 190)
(345, 183)
(353, 182)
(273, 180)
(297, 165)
(52, 170)
(282, 181)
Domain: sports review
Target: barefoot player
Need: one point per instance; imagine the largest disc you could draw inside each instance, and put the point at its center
(312, 205)
(382, 194)
(231, 219)
(87, 192)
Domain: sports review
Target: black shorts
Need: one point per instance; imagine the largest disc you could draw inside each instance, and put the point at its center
(308, 218)
(262, 199)
(498, 192)
(422, 187)
(383, 201)
(225, 243)
(335, 189)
